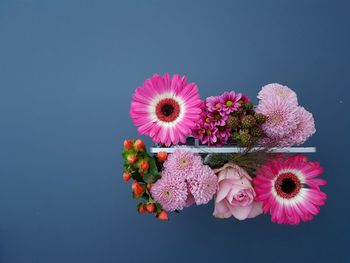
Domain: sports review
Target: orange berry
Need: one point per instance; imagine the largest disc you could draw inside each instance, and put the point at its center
(139, 145)
(150, 208)
(128, 144)
(163, 215)
(132, 159)
(162, 156)
(144, 165)
(126, 176)
(142, 209)
(138, 190)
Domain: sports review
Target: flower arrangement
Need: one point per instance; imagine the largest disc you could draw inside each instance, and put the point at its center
(243, 183)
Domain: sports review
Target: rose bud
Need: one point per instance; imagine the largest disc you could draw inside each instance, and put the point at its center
(144, 165)
(139, 145)
(132, 159)
(162, 156)
(126, 176)
(163, 215)
(128, 144)
(150, 208)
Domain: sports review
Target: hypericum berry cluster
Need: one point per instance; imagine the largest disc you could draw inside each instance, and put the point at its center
(142, 168)
(245, 125)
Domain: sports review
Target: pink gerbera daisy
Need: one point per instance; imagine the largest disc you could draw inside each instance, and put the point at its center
(289, 189)
(170, 191)
(230, 101)
(166, 108)
(281, 117)
(276, 90)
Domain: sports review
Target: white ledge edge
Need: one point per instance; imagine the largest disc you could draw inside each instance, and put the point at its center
(204, 149)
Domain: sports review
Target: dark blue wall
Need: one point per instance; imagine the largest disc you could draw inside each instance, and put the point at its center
(67, 72)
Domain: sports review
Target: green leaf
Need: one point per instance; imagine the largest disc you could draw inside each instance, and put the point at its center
(158, 207)
(152, 175)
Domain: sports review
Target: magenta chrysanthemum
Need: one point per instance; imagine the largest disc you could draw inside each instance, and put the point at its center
(170, 191)
(203, 185)
(182, 163)
(213, 103)
(281, 117)
(217, 118)
(289, 189)
(276, 90)
(166, 109)
(230, 101)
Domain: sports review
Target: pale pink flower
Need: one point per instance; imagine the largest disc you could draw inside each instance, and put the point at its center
(277, 90)
(235, 194)
(203, 185)
(281, 117)
(170, 191)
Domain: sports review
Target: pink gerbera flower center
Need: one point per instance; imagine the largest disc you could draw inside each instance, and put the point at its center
(168, 110)
(287, 185)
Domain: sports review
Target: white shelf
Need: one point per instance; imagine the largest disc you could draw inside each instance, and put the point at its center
(206, 149)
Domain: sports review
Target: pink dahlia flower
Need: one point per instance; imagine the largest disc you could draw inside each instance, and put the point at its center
(276, 90)
(289, 189)
(235, 194)
(170, 191)
(230, 101)
(182, 163)
(166, 109)
(281, 117)
(203, 185)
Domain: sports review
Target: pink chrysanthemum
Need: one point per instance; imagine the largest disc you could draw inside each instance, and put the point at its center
(281, 117)
(209, 136)
(230, 101)
(203, 185)
(213, 103)
(223, 134)
(170, 191)
(182, 163)
(244, 99)
(304, 129)
(217, 118)
(166, 108)
(289, 189)
(276, 90)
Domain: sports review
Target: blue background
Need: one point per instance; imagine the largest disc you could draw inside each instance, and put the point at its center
(67, 73)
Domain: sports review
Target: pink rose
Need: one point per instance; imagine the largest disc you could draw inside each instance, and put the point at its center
(235, 194)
